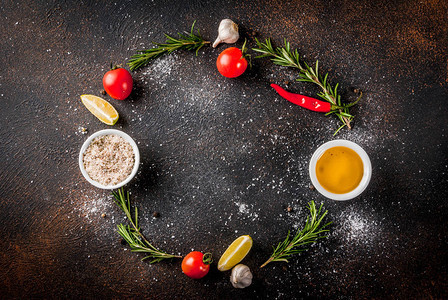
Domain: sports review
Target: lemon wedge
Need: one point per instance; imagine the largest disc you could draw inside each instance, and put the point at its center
(100, 108)
(235, 253)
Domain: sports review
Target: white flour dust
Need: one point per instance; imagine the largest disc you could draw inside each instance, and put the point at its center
(160, 70)
(246, 211)
(95, 206)
(358, 228)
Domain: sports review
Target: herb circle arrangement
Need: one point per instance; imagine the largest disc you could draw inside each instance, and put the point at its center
(231, 63)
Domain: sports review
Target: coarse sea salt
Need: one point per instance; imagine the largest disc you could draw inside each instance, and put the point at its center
(109, 159)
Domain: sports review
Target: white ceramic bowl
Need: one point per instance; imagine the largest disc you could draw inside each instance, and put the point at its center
(364, 180)
(109, 132)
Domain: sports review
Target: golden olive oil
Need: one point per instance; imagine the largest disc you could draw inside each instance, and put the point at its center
(339, 170)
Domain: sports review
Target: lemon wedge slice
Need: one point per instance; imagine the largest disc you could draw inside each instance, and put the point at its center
(100, 108)
(235, 252)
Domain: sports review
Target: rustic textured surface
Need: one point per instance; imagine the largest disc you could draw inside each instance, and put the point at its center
(221, 157)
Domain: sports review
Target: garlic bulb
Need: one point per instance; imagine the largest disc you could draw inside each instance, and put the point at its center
(241, 276)
(227, 33)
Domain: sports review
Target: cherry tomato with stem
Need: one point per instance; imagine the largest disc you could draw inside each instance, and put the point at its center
(196, 265)
(232, 62)
(118, 83)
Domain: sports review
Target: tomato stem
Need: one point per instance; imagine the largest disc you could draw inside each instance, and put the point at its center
(245, 55)
(207, 258)
(114, 67)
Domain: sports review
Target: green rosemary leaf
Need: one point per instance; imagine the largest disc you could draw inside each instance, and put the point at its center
(345, 114)
(311, 232)
(285, 56)
(187, 41)
(132, 234)
(342, 126)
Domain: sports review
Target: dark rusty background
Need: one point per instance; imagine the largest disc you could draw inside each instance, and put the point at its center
(221, 157)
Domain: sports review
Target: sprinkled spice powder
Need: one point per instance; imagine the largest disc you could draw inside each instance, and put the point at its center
(109, 159)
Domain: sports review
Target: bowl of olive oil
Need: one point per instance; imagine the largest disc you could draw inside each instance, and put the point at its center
(340, 170)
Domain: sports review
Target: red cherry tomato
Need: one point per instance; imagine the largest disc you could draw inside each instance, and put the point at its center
(118, 83)
(196, 265)
(231, 62)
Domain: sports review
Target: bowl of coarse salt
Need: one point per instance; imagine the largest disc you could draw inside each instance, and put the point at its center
(109, 159)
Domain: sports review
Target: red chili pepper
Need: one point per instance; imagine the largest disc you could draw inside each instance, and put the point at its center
(303, 101)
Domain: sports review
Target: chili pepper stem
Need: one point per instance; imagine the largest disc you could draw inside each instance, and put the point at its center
(333, 100)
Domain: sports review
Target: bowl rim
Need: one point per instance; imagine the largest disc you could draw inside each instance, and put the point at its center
(127, 138)
(364, 180)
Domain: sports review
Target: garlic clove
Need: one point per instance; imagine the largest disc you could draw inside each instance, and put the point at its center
(241, 277)
(227, 33)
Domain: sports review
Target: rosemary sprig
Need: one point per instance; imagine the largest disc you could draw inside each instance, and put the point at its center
(285, 56)
(308, 235)
(132, 234)
(187, 41)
